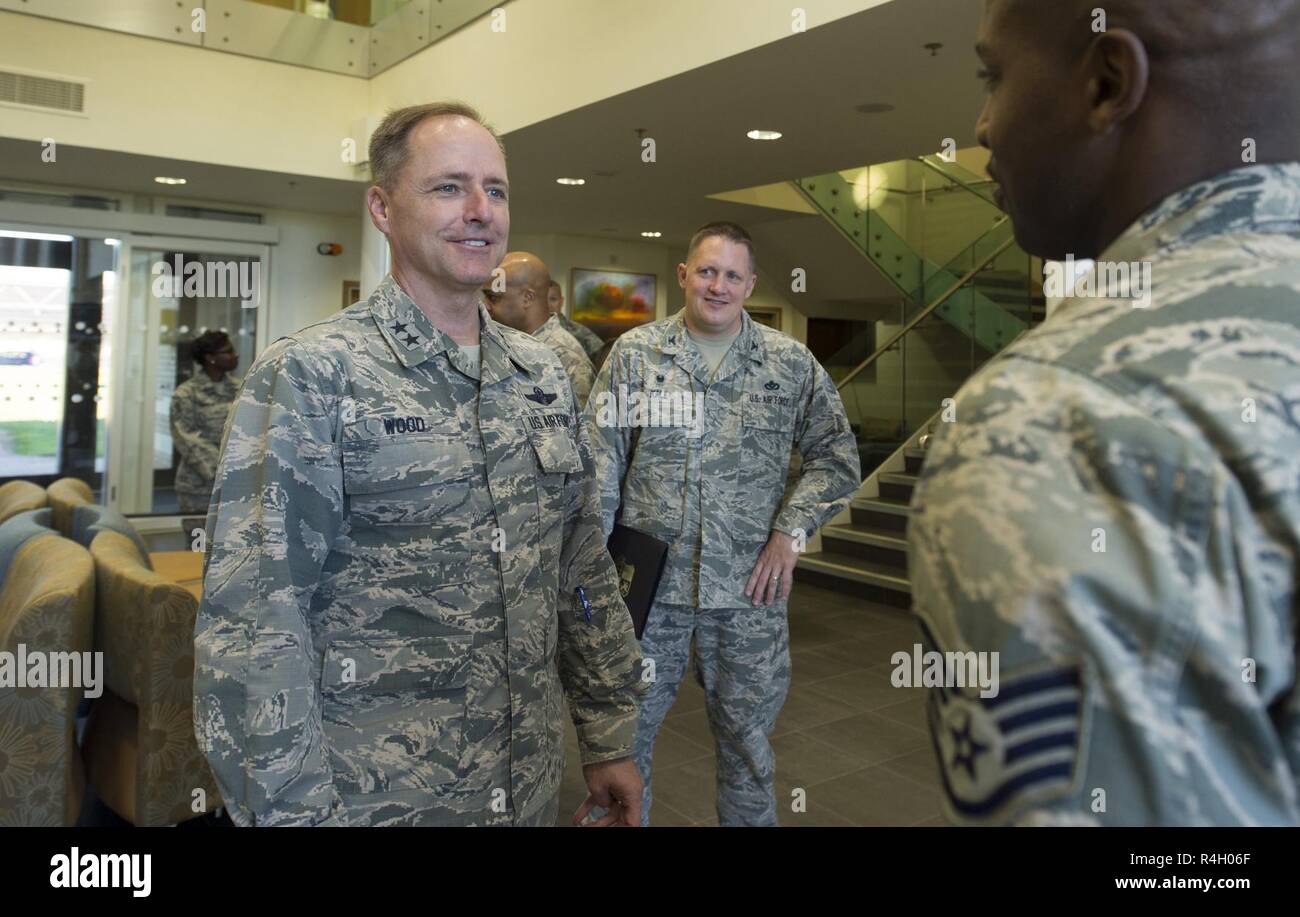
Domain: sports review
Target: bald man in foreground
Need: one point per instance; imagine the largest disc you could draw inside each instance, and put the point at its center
(523, 306)
(1114, 515)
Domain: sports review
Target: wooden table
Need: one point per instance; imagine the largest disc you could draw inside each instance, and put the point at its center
(185, 568)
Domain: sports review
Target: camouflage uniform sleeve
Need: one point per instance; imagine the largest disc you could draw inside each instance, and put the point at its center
(277, 510)
(600, 660)
(200, 453)
(611, 442)
(583, 377)
(1060, 534)
(831, 471)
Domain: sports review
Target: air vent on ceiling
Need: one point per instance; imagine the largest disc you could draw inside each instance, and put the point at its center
(42, 91)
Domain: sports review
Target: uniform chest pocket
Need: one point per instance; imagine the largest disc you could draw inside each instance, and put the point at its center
(766, 441)
(556, 451)
(408, 480)
(768, 416)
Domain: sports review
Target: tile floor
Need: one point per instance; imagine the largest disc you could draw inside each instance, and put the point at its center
(856, 744)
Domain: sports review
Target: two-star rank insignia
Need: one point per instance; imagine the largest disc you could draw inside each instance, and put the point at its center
(409, 338)
(540, 396)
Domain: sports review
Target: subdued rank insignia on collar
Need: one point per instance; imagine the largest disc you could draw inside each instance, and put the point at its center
(772, 386)
(1020, 747)
(409, 338)
(540, 396)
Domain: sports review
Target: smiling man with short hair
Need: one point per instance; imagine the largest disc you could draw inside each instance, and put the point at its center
(407, 577)
(712, 486)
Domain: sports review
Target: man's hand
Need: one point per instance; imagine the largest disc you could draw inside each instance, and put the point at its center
(615, 786)
(774, 571)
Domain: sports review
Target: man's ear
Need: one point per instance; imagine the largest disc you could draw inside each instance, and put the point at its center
(1119, 75)
(377, 206)
(681, 276)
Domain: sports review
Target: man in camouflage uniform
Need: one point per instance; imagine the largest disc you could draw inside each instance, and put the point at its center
(198, 414)
(590, 340)
(711, 485)
(522, 306)
(1116, 509)
(404, 510)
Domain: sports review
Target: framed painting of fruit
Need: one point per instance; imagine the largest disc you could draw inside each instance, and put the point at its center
(610, 302)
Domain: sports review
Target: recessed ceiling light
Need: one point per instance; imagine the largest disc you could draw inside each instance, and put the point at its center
(571, 181)
(764, 135)
(652, 235)
(164, 180)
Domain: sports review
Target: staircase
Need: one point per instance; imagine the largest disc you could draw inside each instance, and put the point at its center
(864, 551)
(885, 224)
(963, 302)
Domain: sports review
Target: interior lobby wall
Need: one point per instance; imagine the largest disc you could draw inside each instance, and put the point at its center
(156, 98)
(562, 253)
(567, 44)
(306, 286)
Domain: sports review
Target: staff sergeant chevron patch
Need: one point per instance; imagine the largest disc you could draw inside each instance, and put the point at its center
(1020, 747)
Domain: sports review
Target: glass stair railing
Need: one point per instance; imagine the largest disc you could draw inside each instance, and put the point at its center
(916, 223)
(967, 291)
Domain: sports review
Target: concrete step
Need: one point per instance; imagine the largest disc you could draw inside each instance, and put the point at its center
(856, 570)
(882, 505)
(863, 534)
(868, 543)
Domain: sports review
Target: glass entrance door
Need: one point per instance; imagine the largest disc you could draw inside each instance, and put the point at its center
(58, 305)
(186, 300)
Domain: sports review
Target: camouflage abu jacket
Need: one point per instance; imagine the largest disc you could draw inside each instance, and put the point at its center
(705, 467)
(389, 630)
(1116, 512)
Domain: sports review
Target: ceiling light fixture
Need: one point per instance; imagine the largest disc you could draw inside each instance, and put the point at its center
(764, 135)
(164, 180)
(652, 235)
(570, 181)
(34, 236)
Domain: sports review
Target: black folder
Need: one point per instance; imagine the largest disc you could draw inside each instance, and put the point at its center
(639, 559)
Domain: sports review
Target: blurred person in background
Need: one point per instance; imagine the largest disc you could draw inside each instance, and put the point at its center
(198, 418)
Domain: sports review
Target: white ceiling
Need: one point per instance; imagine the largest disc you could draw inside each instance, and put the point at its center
(79, 167)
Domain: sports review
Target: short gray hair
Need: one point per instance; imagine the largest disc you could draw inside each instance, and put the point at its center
(388, 148)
